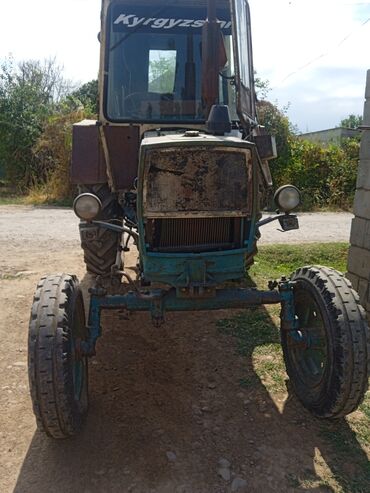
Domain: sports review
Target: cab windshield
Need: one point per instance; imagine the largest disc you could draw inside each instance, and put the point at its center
(154, 63)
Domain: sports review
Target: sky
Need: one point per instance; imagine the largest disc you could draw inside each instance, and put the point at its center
(314, 53)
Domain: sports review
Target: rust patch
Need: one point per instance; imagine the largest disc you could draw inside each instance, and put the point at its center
(197, 179)
(123, 146)
(88, 164)
(88, 160)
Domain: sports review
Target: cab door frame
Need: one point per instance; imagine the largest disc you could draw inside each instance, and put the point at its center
(243, 55)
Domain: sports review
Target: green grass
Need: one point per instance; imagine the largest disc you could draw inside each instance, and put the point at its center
(12, 199)
(257, 338)
(346, 440)
(9, 195)
(257, 331)
(274, 261)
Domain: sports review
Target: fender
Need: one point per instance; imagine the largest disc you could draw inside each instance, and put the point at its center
(88, 165)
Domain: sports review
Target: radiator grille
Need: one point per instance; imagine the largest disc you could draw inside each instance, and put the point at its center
(193, 234)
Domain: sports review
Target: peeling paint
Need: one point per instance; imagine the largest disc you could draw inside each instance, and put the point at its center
(195, 180)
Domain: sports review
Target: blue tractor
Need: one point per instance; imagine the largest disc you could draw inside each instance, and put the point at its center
(177, 166)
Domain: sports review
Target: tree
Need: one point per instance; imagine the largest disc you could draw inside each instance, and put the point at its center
(162, 73)
(29, 93)
(352, 121)
(277, 123)
(262, 88)
(88, 96)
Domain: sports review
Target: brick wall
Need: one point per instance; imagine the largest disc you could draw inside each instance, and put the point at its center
(359, 254)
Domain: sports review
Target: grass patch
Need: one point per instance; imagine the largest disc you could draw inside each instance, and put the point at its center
(258, 339)
(347, 442)
(257, 331)
(12, 200)
(272, 262)
(309, 481)
(16, 276)
(9, 195)
(37, 195)
(42, 198)
(8, 277)
(48, 195)
(348, 439)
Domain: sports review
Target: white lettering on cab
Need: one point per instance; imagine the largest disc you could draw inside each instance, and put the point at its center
(131, 20)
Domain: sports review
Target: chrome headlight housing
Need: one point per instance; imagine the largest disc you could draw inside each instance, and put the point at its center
(287, 198)
(87, 206)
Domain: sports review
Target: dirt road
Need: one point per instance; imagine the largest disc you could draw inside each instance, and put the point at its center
(57, 227)
(170, 409)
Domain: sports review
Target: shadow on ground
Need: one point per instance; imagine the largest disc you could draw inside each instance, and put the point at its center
(167, 405)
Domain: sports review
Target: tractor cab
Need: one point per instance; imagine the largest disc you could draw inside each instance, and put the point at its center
(168, 62)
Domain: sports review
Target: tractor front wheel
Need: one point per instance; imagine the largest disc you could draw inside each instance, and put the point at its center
(57, 369)
(327, 355)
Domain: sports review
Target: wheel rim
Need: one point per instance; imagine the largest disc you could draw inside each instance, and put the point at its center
(78, 361)
(78, 378)
(307, 345)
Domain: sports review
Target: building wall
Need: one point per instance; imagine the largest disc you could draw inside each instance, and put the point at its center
(330, 136)
(359, 255)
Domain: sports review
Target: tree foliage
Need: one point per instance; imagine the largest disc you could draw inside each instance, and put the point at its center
(29, 94)
(87, 96)
(38, 108)
(52, 152)
(352, 121)
(277, 123)
(162, 73)
(326, 175)
(262, 88)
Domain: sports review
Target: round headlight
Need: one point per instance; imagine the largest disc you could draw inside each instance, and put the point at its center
(87, 206)
(287, 198)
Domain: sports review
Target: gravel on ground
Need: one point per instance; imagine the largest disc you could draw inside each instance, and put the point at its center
(170, 410)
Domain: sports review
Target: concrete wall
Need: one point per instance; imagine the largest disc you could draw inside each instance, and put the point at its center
(331, 135)
(359, 255)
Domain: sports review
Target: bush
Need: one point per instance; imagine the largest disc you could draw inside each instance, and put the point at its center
(325, 175)
(53, 152)
(38, 108)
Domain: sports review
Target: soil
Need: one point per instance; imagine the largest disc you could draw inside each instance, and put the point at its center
(167, 411)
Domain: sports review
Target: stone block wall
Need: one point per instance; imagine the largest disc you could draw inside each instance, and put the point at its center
(359, 254)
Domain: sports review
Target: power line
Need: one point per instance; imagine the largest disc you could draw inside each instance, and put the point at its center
(303, 67)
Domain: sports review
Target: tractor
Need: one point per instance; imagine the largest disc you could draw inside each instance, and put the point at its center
(177, 166)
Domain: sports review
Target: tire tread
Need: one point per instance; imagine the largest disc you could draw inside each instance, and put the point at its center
(351, 335)
(100, 254)
(49, 324)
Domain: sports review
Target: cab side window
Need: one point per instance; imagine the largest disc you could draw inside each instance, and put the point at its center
(243, 42)
(243, 60)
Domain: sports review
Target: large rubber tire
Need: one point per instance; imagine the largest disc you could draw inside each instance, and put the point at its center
(101, 246)
(58, 376)
(327, 358)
